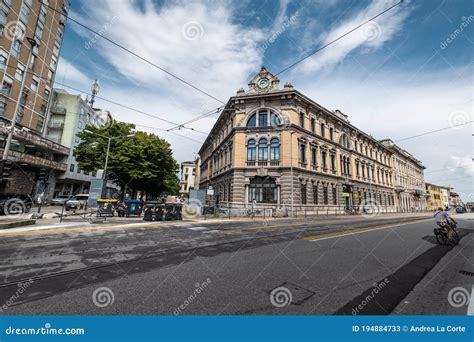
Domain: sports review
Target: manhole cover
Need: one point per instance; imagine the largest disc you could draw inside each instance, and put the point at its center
(299, 295)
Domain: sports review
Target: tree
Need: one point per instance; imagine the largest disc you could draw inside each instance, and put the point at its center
(143, 162)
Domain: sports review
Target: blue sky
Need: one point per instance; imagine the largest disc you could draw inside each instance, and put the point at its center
(396, 77)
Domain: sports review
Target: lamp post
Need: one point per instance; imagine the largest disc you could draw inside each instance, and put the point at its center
(109, 139)
(8, 142)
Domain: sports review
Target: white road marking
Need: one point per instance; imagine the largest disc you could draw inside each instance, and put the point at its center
(197, 228)
(470, 308)
(31, 228)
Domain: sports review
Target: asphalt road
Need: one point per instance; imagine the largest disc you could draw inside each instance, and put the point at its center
(349, 265)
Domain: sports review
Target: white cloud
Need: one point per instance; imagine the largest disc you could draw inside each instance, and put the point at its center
(68, 73)
(370, 36)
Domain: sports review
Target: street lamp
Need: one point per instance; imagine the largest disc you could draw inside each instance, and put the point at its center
(104, 175)
(8, 142)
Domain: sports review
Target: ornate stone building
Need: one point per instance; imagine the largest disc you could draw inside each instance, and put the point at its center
(277, 147)
(408, 179)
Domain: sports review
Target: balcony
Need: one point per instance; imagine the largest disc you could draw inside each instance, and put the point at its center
(262, 163)
(55, 109)
(35, 139)
(56, 125)
(23, 158)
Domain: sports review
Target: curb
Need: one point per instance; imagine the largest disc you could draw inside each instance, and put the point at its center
(16, 224)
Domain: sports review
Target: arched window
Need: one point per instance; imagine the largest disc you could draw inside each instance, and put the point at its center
(275, 120)
(263, 149)
(252, 122)
(251, 146)
(275, 149)
(262, 118)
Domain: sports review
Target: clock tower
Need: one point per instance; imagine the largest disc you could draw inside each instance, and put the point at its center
(263, 82)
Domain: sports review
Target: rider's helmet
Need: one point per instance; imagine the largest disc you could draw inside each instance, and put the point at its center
(440, 208)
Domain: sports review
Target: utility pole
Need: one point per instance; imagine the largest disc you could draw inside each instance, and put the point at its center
(94, 90)
(6, 149)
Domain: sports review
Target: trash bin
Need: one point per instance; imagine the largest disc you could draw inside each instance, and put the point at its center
(148, 212)
(133, 207)
(106, 206)
(173, 211)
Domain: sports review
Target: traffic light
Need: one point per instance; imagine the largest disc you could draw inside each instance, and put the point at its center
(43, 175)
(5, 169)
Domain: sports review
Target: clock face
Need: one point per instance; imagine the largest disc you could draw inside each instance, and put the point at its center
(263, 83)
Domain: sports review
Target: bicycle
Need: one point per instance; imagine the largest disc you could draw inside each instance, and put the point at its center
(441, 234)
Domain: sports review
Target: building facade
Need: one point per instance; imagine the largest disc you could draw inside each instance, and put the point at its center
(69, 115)
(30, 42)
(188, 173)
(433, 196)
(278, 147)
(408, 179)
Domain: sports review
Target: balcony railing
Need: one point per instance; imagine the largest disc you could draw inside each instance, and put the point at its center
(263, 163)
(19, 157)
(36, 139)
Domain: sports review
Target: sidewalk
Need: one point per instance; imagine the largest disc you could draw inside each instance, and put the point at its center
(76, 222)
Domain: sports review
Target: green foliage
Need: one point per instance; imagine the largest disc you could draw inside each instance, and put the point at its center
(143, 162)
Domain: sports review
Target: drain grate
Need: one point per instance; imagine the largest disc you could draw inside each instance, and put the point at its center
(467, 273)
(299, 295)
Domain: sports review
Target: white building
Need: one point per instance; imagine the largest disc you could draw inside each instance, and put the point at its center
(188, 173)
(69, 114)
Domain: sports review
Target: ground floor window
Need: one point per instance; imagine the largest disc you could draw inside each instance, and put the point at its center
(334, 195)
(303, 193)
(263, 190)
(325, 194)
(315, 193)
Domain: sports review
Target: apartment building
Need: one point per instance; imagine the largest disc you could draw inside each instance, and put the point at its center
(188, 173)
(30, 43)
(69, 115)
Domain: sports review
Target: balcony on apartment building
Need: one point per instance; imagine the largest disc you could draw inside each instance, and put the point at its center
(35, 150)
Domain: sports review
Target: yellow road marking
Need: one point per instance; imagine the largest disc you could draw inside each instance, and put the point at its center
(360, 230)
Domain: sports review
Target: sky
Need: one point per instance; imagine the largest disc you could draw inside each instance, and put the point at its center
(406, 73)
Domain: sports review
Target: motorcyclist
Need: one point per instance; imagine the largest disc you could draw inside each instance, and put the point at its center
(443, 220)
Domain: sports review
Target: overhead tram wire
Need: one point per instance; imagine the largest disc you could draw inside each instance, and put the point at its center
(323, 47)
(435, 131)
(113, 102)
(138, 56)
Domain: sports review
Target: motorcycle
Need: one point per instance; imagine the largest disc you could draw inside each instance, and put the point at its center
(441, 234)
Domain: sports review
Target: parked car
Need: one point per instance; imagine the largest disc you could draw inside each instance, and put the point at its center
(13, 204)
(77, 202)
(60, 200)
(460, 210)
